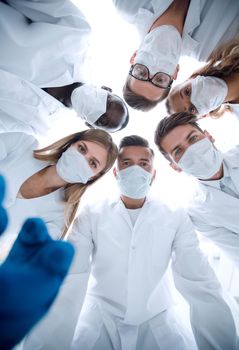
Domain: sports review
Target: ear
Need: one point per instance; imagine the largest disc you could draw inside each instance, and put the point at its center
(115, 172)
(175, 74)
(209, 136)
(133, 57)
(153, 177)
(175, 167)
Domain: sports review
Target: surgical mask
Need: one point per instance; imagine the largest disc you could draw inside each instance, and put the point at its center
(208, 93)
(160, 50)
(201, 160)
(134, 181)
(72, 167)
(89, 102)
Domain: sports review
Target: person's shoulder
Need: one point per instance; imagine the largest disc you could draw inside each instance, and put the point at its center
(233, 152)
(98, 206)
(19, 139)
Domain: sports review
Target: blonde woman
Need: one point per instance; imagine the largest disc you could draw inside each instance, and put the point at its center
(49, 182)
(213, 88)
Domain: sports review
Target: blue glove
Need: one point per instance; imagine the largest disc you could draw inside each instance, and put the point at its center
(30, 278)
(3, 213)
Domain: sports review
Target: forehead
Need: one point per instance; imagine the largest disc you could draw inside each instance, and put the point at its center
(116, 111)
(176, 103)
(135, 153)
(145, 89)
(176, 136)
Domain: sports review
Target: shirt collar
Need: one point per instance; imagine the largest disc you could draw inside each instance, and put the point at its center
(116, 200)
(216, 183)
(193, 17)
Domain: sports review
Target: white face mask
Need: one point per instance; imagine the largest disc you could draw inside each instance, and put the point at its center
(208, 93)
(134, 181)
(89, 102)
(160, 50)
(72, 167)
(201, 160)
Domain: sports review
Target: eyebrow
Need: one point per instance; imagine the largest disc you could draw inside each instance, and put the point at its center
(144, 159)
(86, 148)
(188, 136)
(180, 93)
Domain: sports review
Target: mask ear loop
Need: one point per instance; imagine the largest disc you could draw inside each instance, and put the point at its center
(202, 116)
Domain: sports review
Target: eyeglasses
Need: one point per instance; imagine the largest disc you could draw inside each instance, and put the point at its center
(141, 72)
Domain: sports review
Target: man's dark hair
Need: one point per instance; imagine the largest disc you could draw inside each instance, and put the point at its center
(140, 102)
(134, 140)
(168, 123)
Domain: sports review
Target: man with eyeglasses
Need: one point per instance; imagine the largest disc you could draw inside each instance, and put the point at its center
(170, 29)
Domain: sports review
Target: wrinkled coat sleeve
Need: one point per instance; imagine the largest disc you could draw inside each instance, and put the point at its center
(226, 240)
(62, 12)
(55, 332)
(11, 141)
(210, 316)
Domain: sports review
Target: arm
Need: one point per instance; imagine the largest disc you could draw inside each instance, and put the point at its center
(27, 106)
(10, 143)
(210, 316)
(29, 277)
(62, 12)
(58, 327)
(226, 240)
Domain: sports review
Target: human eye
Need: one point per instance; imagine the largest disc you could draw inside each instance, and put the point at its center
(192, 109)
(144, 164)
(81, 148)
(187, 91)
(177, 153)
(140, 72)
(93, 164)
(103, 120)
(193, 138)
(125, 162)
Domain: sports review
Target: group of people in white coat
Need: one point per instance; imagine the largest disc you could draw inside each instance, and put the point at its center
(116, 295)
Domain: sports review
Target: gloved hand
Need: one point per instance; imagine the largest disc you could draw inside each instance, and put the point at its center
(30, 278)
(3, 213)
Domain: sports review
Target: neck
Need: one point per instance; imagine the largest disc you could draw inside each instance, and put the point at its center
(217, 176)
(232, 82)
(63, 93)
(51, 180)
(174, 15)
(131, 203)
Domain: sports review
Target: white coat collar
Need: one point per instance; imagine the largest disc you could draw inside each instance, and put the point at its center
(231, 158)
(117, 201)
(192, 21)
(146, 17)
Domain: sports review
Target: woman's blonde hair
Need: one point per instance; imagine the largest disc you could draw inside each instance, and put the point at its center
(222, 63)
(74, 192)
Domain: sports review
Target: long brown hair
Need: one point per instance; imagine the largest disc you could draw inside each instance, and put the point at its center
(222, 63)
(74, 192)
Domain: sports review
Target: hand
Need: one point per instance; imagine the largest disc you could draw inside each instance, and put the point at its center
(30, 278)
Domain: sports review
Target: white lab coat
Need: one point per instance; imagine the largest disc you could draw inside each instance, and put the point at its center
(215, 213)
(16, 165)
(127, 288)
(208, 24)
(44, 42)
(235, 108)
(24, 107)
